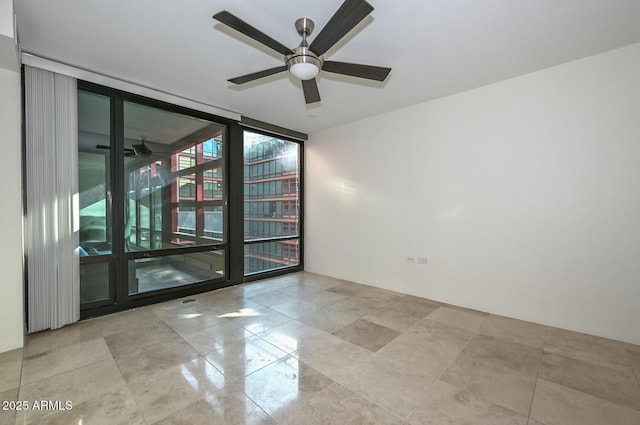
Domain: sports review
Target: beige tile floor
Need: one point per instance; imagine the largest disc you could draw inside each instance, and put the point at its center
(308, 349)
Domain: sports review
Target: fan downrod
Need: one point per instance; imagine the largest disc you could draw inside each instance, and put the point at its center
(305, 27)
(302, 54)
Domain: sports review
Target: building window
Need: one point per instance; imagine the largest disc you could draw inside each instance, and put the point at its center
(200, 191)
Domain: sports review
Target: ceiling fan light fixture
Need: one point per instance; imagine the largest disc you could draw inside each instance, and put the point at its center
(304, 70)
(304, 64)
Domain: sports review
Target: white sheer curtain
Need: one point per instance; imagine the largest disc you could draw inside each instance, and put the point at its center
(51, 229)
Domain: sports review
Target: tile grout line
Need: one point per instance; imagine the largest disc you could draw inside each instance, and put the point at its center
(142, 415)
(476, 334)
(67, 371)
(133, 396)
(535, 385)
(466, 344)
(71, 370)
(636, 374)
(250, 399)
(15, 416)
(404, 420)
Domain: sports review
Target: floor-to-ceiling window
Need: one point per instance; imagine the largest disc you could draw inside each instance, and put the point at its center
(271, 203)
(174, 201)
(153, 195)
(174, 230)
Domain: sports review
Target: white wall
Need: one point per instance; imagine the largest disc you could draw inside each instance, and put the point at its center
(524, 196)
(11, 282)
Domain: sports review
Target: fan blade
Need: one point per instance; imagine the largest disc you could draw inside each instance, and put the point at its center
(346, 17)
(255, 75)
(369, 72)
(239, 25)
(311, 93)
(142, 150)
(107, 147)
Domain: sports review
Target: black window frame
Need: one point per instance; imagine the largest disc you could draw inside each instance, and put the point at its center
(279, 271)
(234, 181)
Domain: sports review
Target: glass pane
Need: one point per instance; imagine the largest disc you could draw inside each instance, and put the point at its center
(211, 151)
(264, 256)
(94, 195)
(94, 144)
(186, 222)
(94, 282)
(212, 188)
(174, 179)
(271, 187)
(213, 223)
(152, 274)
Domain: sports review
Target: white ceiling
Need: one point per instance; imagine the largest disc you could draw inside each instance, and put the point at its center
(435, 47)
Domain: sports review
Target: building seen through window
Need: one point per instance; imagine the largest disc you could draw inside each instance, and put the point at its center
(271, 202)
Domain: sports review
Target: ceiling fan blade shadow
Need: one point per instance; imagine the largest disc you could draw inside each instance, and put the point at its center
(250, 31)
(370, 72)
(311, 93)
(346, 17)
(256, 75)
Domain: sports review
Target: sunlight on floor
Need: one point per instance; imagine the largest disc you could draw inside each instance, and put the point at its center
(243, 312)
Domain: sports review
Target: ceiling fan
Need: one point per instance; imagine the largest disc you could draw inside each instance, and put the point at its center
(305, 61)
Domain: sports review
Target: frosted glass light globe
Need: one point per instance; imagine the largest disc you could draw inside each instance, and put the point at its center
(304, 70)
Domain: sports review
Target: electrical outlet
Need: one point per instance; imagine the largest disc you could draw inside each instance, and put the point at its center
(410, 260)
(422, 260)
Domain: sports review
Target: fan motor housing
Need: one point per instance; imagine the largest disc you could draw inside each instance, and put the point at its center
(303, 55)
